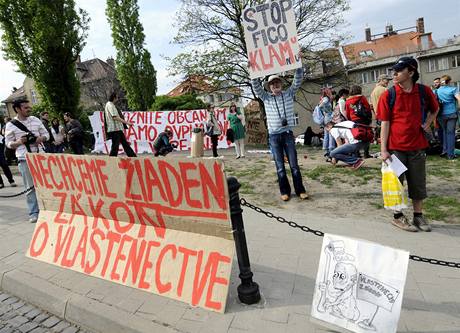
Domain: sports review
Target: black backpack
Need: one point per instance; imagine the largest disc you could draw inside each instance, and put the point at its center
(362, 112)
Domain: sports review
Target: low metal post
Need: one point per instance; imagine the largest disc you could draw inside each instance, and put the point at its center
(248, 290)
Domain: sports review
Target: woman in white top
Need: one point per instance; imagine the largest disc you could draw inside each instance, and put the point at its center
(57, 130)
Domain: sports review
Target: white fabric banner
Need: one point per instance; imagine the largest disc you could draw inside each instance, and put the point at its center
(271, 38)
(147, 126)
(359, 285)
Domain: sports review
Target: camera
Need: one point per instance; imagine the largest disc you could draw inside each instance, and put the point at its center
(284, 122)
(30, 138)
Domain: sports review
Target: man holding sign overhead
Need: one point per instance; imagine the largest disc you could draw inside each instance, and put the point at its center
(271, 40)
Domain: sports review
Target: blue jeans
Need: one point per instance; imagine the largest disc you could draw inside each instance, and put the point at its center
(448, 124)
(328, 143)
(281, 144)
(348, 152)
(31, 197)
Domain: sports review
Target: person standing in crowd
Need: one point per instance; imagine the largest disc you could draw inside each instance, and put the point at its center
(74, 134)
(382, 84)
(437, 122)
(236, 124)
(26, 134)
(57, 131)
(436, 83)
(325, 105)
(115, 126)
(279, 108)
(346, 152)
(340, 113)
(49, 145)
(213, 129)
(359, 111)
(448, 97)
(403, 135)
(3, 162)
(162, 143)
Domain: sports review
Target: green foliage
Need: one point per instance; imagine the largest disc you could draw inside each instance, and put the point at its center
(44, 39)
(135, 70)
(183, 102)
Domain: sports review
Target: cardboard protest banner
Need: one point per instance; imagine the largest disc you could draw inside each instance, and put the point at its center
(159, 225)
(359, 285)
(271, 38)
(148, 125)
(256, 132)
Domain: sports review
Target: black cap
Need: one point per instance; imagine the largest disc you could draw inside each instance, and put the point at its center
(405, 62)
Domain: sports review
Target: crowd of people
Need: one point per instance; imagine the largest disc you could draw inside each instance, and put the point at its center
(400, 118)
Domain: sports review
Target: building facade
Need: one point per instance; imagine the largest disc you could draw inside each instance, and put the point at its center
(98, 79)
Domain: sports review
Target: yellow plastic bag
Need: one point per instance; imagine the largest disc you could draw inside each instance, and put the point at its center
(394, 196)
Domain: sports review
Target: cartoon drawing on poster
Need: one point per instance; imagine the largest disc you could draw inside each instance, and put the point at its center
(351, 289)
(271, 38)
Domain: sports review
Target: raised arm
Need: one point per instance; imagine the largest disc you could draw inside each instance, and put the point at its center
(260, 92)
(297, 82)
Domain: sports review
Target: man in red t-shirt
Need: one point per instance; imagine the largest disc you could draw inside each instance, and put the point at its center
(403, 132)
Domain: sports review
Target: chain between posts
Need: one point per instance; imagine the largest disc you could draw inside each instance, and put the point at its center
(18, 194)
(321, 234)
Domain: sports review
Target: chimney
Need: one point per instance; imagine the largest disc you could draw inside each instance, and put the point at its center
(78, 59)
(111, 62)
(368, 34)
(420, 25)
(389, 30)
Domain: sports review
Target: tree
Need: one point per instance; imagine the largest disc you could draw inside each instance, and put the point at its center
(135, 70)
(182, 102)
(213, 28)
(44, 39)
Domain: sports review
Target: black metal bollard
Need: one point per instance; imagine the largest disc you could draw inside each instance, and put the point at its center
(248, 290)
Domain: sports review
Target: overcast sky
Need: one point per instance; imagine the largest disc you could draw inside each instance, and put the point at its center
(442, 17)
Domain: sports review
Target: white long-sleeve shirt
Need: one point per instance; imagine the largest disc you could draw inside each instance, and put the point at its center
(12, 134)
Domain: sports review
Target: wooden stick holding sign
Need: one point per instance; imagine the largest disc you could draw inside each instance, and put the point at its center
(271, 38)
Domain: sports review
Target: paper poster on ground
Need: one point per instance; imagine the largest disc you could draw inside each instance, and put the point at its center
(359, 286)
(147, 126)
(271, 38)
(160, 225)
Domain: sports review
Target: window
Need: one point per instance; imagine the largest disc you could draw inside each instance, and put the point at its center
(34, 97)
(211, 98)
(458, 86)
(364, 78)
(296, 119)
(389, 71)
(367, 53)
(443, 64)
(432, 65)
(455, 61)
(375, 75)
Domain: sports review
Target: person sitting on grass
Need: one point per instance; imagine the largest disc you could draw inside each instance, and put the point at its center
(346, 152)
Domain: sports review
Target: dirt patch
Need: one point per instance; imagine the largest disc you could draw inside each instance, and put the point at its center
(341, 191)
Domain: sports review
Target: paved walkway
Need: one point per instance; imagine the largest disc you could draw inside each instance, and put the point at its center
(284, 262)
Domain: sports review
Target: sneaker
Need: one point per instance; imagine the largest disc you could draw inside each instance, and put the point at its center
(303, 196)
(13, 184)
(421, 223)
(285, 197)
(404, 224)
(359, 163)
(238, 157)
(443, 155)
(33, 219)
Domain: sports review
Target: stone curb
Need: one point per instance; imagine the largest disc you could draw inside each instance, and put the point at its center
(87, 313)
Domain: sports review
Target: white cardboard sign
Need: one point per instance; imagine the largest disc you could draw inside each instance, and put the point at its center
(360, 284)
(271, 38)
